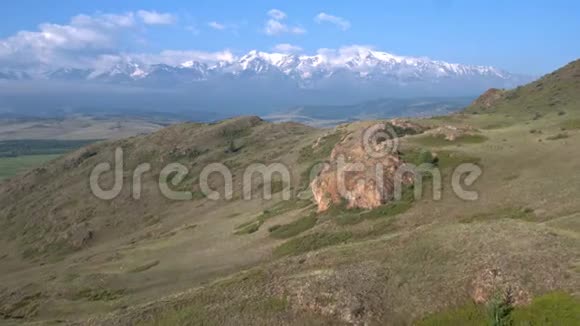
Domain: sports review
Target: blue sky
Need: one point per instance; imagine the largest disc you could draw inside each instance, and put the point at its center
(532, 37)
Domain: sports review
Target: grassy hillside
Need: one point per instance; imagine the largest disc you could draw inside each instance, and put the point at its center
(554, 93)
(68, 256)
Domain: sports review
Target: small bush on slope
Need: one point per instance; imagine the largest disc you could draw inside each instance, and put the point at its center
(311, 242)
(293, 229)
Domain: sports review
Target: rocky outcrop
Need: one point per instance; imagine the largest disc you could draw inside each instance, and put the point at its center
(488, 99)
(361, 170)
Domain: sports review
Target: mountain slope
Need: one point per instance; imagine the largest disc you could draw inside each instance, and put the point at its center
(70, 257)
(554, 92)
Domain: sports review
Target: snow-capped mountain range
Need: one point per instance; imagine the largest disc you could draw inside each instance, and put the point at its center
(254, 83)
(306, 70)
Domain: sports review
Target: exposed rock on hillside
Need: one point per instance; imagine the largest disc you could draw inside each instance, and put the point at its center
(361, 170)
(489, 98)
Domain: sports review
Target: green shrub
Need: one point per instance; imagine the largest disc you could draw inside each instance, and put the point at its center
(392, 209)
(515, 213)
(349, 218)
(99, 294)
(420, 156)
(290, 230)
(558, 136)
(277, 186)
(311, 242)
(499, 310)
(249, 229)
(144, 267)
(472, 315)
(274, 228)
(380, 228)
(426, 157)
(280, 208)
(343, 216)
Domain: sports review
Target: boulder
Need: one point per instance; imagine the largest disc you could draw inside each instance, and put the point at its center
(361, 170)
(488, 99)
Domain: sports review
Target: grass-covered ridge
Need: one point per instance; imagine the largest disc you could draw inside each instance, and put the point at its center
(555, 93)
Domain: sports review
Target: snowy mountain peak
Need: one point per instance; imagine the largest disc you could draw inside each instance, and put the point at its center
(327, 65)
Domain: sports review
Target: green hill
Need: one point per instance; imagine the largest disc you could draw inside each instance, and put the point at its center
(554, 93)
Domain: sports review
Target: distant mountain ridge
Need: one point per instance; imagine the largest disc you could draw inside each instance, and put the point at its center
(255, 83)
(360, 64)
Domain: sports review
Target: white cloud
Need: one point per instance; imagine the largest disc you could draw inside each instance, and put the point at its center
(344, 54)
(216, 25)
(105, 20)
(96, 41)
(277, 14)
(78, 43)
(156, 18)
(275, 26)
(54, 44)
(172, 57)
(323, 17)
(287, 48)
